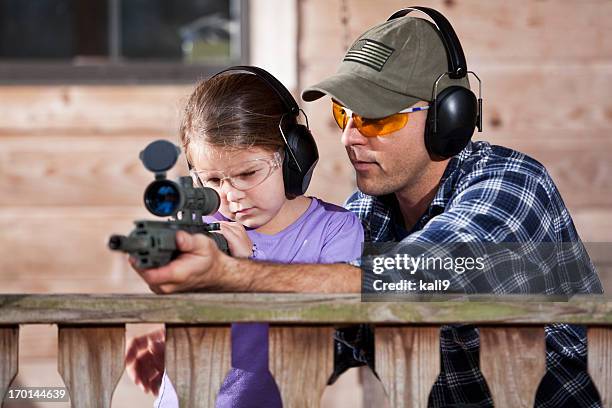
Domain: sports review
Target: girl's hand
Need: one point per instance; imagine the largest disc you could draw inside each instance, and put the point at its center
(144, 360)
(240, 245)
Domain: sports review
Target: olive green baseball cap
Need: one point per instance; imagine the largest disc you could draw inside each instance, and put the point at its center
(390, 67)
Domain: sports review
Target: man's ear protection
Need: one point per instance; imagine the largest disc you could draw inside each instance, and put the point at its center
(455, 111)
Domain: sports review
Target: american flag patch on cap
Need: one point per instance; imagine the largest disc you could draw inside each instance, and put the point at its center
(370, 53)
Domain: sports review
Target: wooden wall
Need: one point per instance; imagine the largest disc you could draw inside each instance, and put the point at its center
(70, 174)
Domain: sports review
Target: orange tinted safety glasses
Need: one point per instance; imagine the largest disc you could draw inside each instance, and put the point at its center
(373, 127)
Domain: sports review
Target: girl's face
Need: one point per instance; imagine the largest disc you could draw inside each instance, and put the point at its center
(231, 172)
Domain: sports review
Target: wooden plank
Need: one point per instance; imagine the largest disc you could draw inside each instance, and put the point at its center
(562, 133)
(92, 108)
(197, 361)
(301, 360)
(101, 171)
(578, 163)
(101, 284)
(90, 360)
(581, 177)
(578, 160)
(71, 238)
(408, 363)
(579, 166)
(105, 171)
(507, 88)
(593, 226)
(9, 357)
(605, 276)
(600, 361)
(512, 360)
(47, 246)
(69, 164)
(580, 105)
(494, 31)
(298, 308)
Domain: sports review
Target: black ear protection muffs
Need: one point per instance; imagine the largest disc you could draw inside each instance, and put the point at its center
(455, 112)
(301, 153)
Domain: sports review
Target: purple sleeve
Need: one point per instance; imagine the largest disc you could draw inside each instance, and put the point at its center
(344, 240)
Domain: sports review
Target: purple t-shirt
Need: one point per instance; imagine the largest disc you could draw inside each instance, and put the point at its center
(325, 233)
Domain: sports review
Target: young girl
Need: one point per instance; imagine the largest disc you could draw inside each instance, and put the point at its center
(241, 137)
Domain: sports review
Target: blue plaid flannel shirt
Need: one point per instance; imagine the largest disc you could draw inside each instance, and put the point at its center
(494, 194)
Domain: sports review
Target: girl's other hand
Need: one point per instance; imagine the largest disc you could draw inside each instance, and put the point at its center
(144, 360)
(240, 245)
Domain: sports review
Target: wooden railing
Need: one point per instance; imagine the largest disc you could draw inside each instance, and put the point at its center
(92, 340)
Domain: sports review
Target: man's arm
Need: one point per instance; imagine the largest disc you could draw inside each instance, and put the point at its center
(271, 277)
(202, 267)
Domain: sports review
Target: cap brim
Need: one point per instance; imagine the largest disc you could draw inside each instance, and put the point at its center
(363, 97)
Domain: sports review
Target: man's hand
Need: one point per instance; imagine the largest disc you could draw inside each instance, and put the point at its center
(240, 245)
(197, 268)
(144, 360)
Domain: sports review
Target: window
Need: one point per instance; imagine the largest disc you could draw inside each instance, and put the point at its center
(72, 41)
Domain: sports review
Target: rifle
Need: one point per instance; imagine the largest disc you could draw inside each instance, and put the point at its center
(153, 243)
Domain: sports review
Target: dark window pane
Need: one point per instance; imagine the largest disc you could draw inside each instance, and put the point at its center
(91, 27)
(52, 29)
(184, 30)
(95, 41)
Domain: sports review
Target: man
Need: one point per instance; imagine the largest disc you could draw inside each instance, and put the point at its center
(411, 196)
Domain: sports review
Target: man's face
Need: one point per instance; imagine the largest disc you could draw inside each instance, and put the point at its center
(390, 163)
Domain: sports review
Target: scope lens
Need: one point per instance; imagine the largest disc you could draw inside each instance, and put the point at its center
(162, 198)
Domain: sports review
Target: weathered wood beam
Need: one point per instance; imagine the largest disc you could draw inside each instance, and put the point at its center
(299, 309)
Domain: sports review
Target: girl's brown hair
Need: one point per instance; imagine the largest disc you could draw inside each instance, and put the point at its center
(233, 110)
